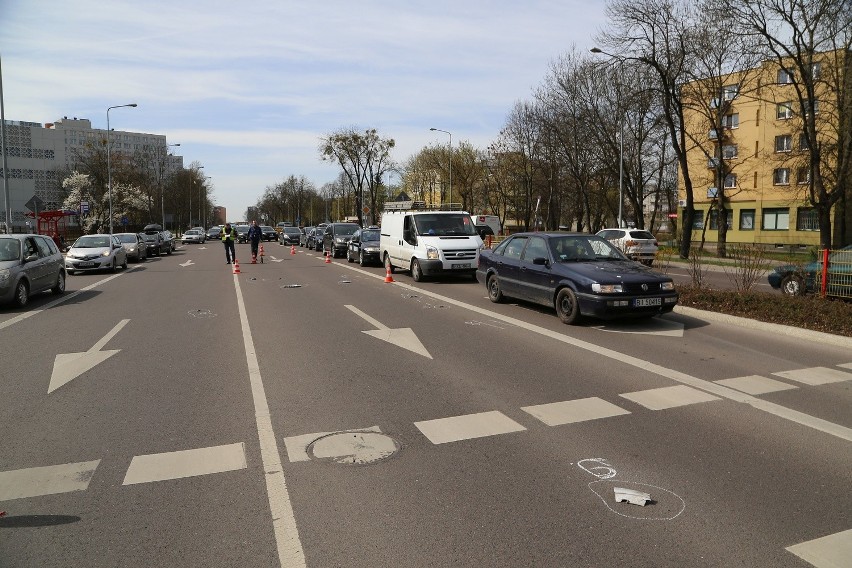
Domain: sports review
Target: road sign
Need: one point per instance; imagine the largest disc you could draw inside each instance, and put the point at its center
(366, 210)
(84, 207)
(125, 221)
(34, 204)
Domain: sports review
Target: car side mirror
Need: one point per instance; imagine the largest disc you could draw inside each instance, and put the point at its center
(541, 261)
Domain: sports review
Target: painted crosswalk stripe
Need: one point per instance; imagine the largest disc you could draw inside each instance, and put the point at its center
(185, 463)
(832, 551)
(570, 411)
(669, 397)
(755, 384)
(816, 376)
(469, 426)
(46, 480)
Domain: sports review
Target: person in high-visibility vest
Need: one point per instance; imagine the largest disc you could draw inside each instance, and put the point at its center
(229, 237)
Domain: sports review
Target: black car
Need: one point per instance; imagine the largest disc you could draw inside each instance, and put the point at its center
(364, 247)
(214, 233)
(242, 233)
(335, 238)
(154, 241)
(290, 235)
(575, 273)
(269, 234)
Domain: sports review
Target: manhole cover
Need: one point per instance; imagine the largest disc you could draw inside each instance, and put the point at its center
(353, 448)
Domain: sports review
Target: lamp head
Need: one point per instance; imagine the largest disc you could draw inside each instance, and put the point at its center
(596, 50)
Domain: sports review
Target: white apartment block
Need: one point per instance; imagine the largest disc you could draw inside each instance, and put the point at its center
(40, 155)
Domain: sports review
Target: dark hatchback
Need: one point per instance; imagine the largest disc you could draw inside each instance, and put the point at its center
(575, 273)
(364, 247)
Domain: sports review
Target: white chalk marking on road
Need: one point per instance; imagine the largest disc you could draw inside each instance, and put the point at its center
(46, 480)
(846, 365)
(402, 337)
(816, 376)
(783, 412)
(669, 397)
(661, 327)
(289, 546)
(185, 463)
(755, 384)
(832, 551)
(69, 366)
(467, 427)
(571, 411)
(187, 263)
(297, 446)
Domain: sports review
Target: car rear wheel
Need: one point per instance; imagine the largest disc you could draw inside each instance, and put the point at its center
(416, 271)
(22, 294)
(494, 292)
(567, 307)
(792, 285)
(60, 283)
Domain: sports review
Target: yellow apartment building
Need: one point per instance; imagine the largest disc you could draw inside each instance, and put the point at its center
(764, 155)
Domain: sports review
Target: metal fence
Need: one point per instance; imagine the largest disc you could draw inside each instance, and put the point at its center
(834, 273)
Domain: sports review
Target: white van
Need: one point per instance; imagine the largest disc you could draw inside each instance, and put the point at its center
(428, 242)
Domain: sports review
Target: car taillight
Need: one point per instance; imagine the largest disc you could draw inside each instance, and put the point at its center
(630, 243)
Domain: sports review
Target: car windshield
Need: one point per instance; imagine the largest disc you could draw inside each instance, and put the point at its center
(127, 238)
(345, 230)
(583, 248)
(242, 228)
(444, 225)
(10, 249)
(92, 242)
(150, 237)
(369, 236)
(266, 228)
(292, 231)
(191, 232)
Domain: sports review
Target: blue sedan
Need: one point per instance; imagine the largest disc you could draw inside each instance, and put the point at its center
(577, 274)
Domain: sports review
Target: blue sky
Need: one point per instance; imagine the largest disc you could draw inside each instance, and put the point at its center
(248, 89)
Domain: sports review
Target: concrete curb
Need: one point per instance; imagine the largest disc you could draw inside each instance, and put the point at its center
(795, 332)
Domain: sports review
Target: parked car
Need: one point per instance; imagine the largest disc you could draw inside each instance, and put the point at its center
(192, 236)
(134, 245)
(155, 240)
(169, 240)
(214, 233)
(269, 233)
(364, 247)
(95, 252)
(242, 233)
(636, 244)
(796, 280)
(29, 264)
(336, 237)
(303, 238)
(290, 235)
(577, 274)
(202, 231)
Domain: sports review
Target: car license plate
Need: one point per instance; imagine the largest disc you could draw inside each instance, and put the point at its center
(86, 264)
(644, 302)
(457, 266)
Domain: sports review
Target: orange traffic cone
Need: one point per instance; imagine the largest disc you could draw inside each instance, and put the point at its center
(388, 277)
(253, 258)
(292, 249)
(328, 258)
(261, 254)
(236, 266)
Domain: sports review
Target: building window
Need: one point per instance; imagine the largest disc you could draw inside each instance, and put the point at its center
(729, 152)
(776, 219)
(806, 219)
(730, 92)
(698, 219)
(781, 176)
(731, 120)
(784, 111)
(816, 70)
(747, 220)
(803, 175)
(731, 180)
(714, 220)
(783, 143)
(785, 77)
(808, 105)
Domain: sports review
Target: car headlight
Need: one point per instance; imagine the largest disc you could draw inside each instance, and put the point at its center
(432, 253)
(4, 275)
(667, 286)
(371, 249)
(105, 253)
(340, 240)
(607, 288)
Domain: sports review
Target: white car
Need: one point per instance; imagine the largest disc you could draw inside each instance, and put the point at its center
(636, 244)
(95, 252)
(193, 236)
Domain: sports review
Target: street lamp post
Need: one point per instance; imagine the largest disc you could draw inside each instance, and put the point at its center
(450, 200)
(109, 168)
(162, 192)
(620, 138)
(191, 181)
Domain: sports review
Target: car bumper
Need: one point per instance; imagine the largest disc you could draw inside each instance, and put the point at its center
(433, 267)
(372, 256)
(83, 265)
(611, 307)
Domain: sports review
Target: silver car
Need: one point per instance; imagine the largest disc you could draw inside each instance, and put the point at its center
(134, 246)
(193, 236)
(29, 264)
(95, 252)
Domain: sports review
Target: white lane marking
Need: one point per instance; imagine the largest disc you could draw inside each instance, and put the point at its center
(467, 427)
(755, 384)
(846, 365)
(290, 552)
(571, 411)
(61, 299)
(185, 463)
(801, 418)
(669, 397)
(187, 263)
(297, 446)
(832, 551)
(47, 480)
(402, 337)
(816, 376)
(69, 366)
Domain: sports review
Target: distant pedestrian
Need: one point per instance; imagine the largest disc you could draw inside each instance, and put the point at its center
(254, 235)
(229, 237)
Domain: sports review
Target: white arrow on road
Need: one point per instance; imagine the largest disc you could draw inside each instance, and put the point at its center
(276, 259)
(403, 337)
(187, 263)
(69, 366)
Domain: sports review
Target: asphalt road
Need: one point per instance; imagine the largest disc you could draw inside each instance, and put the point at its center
(303, 413)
